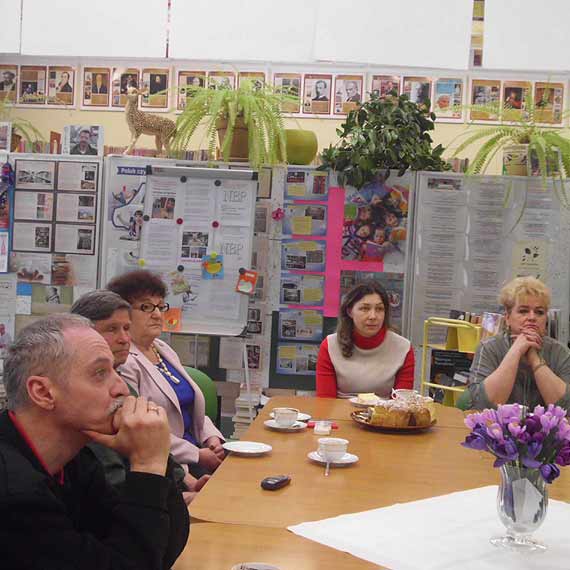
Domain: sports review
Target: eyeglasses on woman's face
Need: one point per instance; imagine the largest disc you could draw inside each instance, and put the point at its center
(150, 307)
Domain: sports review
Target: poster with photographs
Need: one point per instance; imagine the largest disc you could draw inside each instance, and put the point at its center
(122, 80)
(33, 206)
(188, 80)
(96, 86)
(154, 88)
(74, 239)
(298, 359)
(32, 85)
(32, 237)
(77, 176)
(418, 89)
(194, 245)
(5, 136)
(76, 208)
(302, 289)
(304, 325)
(83, 140)
(35, 174)
(317, 94)
(485, 97)
(305, 219)
(306, 184)
(61, 85)
(255, 319)
(348, 93)
(4, 205)
(515, 99)
(393, 283)
(257, 78)
(548, 101)
(383, 85)
(30, 267)
(289, 84)
(375, 222)
(448, 98)
(304, 255)
(221, 80)
(8, 78)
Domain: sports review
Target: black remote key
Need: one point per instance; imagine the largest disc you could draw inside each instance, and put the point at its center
(275, 482)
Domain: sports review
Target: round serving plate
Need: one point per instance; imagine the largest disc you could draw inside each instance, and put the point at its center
(361, 418)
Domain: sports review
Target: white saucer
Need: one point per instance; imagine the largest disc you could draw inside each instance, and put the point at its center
(272, 424)
(247, 448)
(354, 401)
(300, 417)
(346, 459)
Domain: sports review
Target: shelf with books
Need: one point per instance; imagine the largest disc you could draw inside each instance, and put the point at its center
(462, 340)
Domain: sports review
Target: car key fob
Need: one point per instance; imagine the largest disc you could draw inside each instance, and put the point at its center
(275, 482)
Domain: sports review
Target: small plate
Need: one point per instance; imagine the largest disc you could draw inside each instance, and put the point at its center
(247, 448)
(346, 459)
(272, 424)
(301, 417)
(354, 401)
(362, 419)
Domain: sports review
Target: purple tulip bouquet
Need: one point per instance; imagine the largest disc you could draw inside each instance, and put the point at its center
(536, 440)
(530, 448)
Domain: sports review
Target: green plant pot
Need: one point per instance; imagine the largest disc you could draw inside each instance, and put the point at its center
(301, 146)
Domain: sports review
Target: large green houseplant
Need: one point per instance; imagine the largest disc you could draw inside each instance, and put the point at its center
(249, 106)
(384, 133)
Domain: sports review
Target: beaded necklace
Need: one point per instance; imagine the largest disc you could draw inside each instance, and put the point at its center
(161, 365)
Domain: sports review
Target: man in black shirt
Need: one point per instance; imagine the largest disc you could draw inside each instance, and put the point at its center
(56, 510)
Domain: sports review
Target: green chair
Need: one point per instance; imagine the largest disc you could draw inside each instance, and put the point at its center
(213, 408)
(464, 401)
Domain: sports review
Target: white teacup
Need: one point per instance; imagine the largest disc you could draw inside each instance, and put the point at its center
(285, 417)
(406, 395)
(332, 448)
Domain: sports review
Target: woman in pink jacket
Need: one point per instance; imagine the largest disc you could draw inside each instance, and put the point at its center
(155, 371)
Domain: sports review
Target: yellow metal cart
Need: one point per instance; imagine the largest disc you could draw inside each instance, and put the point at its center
(462, 337)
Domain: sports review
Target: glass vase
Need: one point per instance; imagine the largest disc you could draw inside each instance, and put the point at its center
(522, 502)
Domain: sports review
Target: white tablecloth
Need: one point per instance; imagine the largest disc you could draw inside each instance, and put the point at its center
(450, 532)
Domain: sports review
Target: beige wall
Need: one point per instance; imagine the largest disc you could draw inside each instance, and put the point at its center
(117, 132)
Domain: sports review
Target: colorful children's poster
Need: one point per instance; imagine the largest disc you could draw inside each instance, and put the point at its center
(375, 221)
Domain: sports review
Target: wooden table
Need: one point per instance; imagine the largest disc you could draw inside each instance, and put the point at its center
(220, 546)
(339, 409)
(392, 468)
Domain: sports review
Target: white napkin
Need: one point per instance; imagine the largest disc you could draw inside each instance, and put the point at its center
(442, 533)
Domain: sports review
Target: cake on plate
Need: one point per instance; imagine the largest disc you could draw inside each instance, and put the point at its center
(399, 414)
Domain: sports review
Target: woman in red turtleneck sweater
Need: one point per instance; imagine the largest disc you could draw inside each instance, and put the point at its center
(364, 355)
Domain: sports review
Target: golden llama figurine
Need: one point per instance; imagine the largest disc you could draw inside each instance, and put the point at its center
(141, 123)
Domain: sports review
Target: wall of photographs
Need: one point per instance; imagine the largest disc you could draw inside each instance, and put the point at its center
(323, 92)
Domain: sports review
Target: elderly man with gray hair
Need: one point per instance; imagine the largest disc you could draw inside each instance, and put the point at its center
(56, 510)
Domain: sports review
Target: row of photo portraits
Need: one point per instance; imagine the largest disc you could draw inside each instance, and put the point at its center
(318, 94)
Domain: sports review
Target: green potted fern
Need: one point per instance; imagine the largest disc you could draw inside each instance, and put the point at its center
(247, 120)
(529, 147)
(21, 128)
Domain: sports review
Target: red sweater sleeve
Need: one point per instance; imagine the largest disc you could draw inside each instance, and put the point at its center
(404, 376)
(326, 374)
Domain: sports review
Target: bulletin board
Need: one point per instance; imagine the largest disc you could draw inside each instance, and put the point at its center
(193, 226)
(473, 234)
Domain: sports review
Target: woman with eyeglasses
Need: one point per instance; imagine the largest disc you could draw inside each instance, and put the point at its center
(155, 371)
(364, 355)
